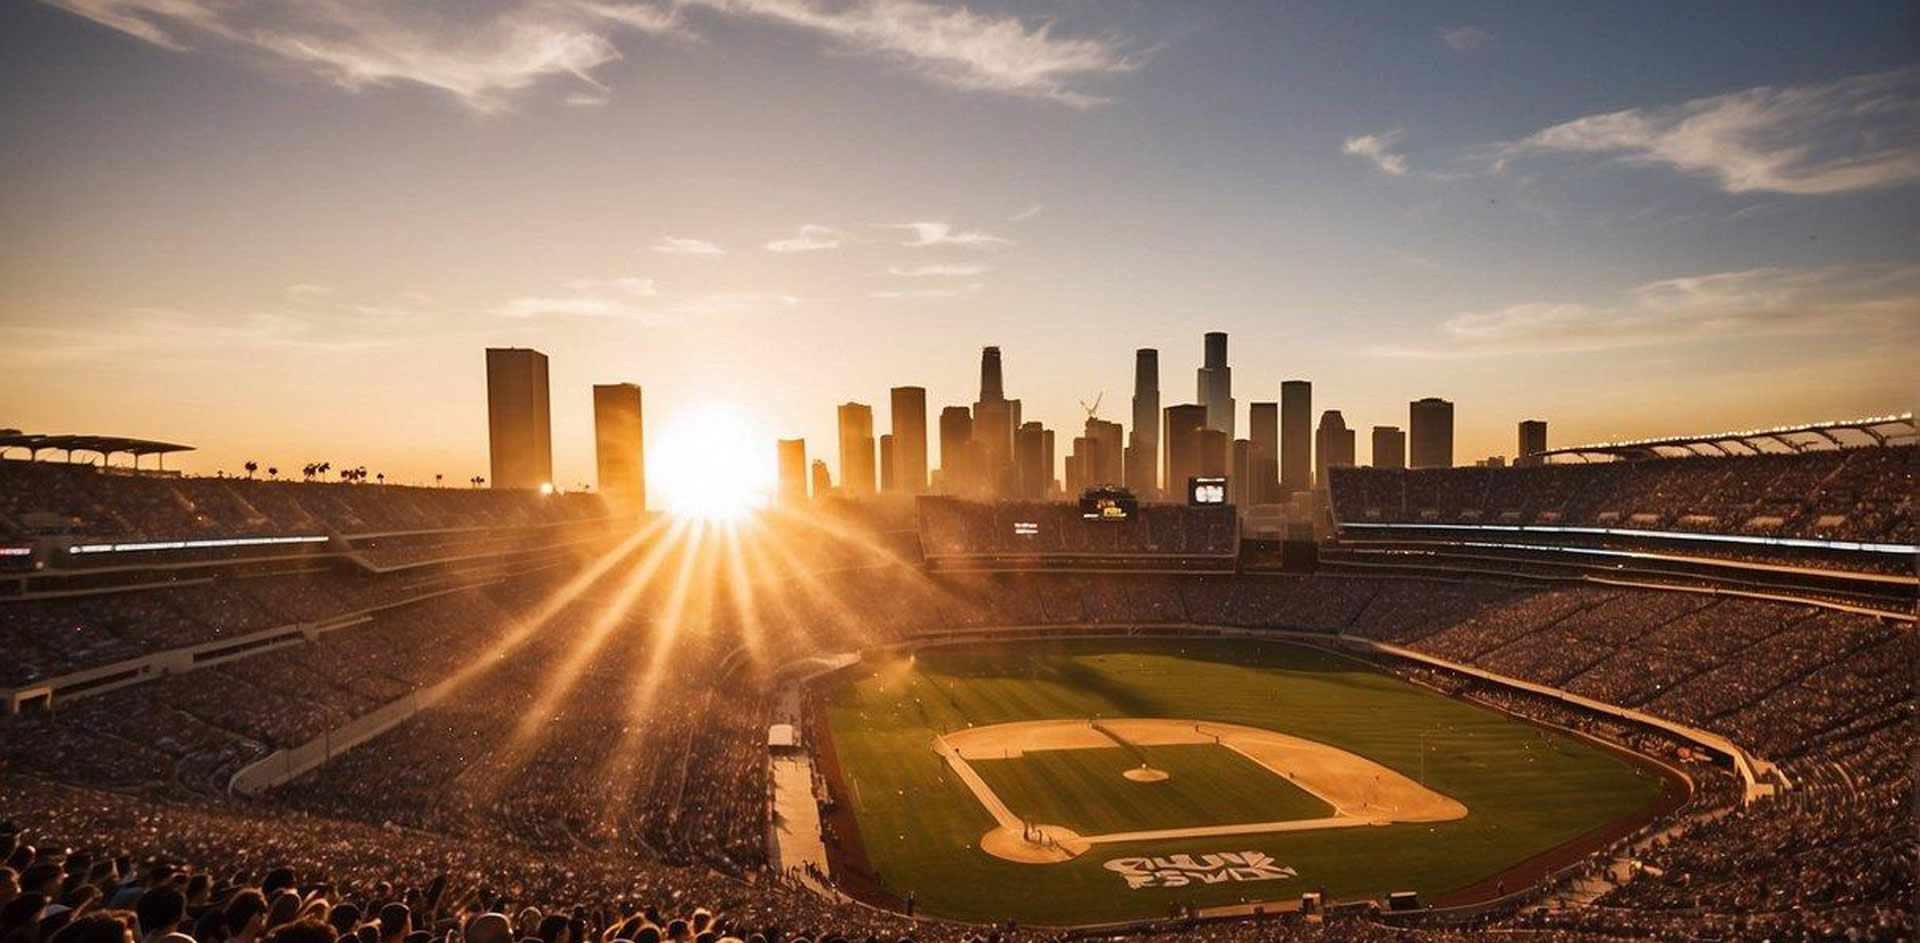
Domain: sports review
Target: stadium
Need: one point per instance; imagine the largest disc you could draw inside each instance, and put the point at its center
(1657, 689)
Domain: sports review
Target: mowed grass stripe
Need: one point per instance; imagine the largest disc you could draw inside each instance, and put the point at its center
(1087, 791)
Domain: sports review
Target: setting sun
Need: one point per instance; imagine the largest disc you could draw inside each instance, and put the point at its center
(710, 463)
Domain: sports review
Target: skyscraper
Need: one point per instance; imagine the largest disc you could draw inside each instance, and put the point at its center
(1296, 436)
(909, 418)
(1533, 441)
(1389, 447)
(793, 470)
(1104, 453)
(994, 420)
(888, 484)
(619, 446)
(856, 450)
(957, 463)
(1430, 433)
(1240, 475)
(1215, 382)
(1263, 470)
(519, 421)
(1032, 470)
(1181, 437)
(1143, 449)
(1333, 445)
(822, 480)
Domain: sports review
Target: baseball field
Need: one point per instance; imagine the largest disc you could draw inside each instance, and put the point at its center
(1098, 780)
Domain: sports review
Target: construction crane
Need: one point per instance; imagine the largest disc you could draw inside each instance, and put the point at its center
(1093, 407)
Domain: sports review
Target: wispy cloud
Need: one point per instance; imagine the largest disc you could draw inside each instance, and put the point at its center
(1377, 149)
(1466, 38)
(1028, 213)
(933, 233)
(587, 298)
(1854, 134)
(809, 238)
(946, 292)
(955, 45)
(679, 245)
(1855, 301)
(938, 271)
(732, 303)
(483, 52)
(309, 290)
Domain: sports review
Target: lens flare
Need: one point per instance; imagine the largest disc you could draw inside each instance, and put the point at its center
(712, 464)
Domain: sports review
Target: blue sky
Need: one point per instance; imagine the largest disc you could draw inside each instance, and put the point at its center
(279, 228)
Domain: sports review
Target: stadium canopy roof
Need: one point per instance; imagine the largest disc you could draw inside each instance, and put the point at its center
(1810, 437)
(105, 445)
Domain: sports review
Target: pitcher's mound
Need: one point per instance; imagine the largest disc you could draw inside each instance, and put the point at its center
(1146, 774)
(1057, 844)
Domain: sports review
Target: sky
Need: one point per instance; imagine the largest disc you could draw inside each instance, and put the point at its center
(285, 231)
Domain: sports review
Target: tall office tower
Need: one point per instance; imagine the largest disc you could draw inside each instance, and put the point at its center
(1143, 449)
(1333, 445)
(956, 447)
(793, 470)
(1076, 482)
(1296, 436)
(995, 419)
(519, 421)
(1533, 441)
(1215, 452)
(1430, 433)
(1181, 438)
(856, 450)
(619, 447)
(822, 480)
(1047, 455)
(1105, 453)
(1032, 470)
(909, 439)
(1215, 381)
(1263, 470)
(1389, 447)
(1240, 479)
(888, 468)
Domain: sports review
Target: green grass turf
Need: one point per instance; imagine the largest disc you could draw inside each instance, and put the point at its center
(1526, 789)
(1086, 791)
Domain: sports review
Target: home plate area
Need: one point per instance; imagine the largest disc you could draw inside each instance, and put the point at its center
(1057, 788)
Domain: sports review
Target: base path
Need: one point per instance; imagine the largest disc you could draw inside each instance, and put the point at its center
(1360, 791)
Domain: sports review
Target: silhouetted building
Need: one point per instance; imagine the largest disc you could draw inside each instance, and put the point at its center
(1533, 441)
(1033, 470)
(793, 470)
(519, 420)
(958, 462)
(1241, 482)
(1143, 449)
(1296, 436)
(1430, 433)
(1181, 437)
(887, 469)
(909, 418)
(822, 480)
(856, 450)
(1106, 454)
(1215, 451)
(1263, 469)
(1389, 447)
(1333, 445)
(1215, 382)
(1493, 461)
(619, 446)
(995, 418)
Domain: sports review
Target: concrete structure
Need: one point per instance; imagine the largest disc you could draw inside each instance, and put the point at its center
(1142, 455)
(519, 419)
(995, 419)
(909, 420)
(1430, 433)
(1296, 436)
(822, 480)
(958, 462)
(1533, 441)
(1033, 465)
(1181, 436)
(1389, 447)
(856, 450)
(888, 484)
(793, 470)
(1263, 469)
(1333, 445)
(1215, 383)
(1241, 481)
(619, 446)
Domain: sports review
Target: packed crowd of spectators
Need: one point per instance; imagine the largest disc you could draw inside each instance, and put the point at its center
(59, 498)
(1863, 494)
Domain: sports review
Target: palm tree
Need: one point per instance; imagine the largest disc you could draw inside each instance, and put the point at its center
(273, 471)
(251, 466)
(307, 471)
(380, 477)
(436, 479)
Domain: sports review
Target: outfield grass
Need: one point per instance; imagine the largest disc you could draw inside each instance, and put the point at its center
(1526, 789)
(1086, 791)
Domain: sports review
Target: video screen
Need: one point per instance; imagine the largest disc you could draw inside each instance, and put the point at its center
(1206, 491)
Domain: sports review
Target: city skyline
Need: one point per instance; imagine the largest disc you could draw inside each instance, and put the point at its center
(215, 241)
